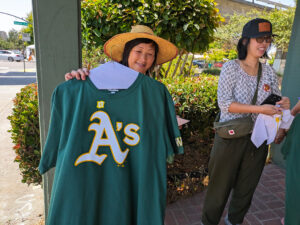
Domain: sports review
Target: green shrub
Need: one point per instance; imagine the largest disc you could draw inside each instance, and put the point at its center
(195, 99)
(25, 133)
(214, 71)
(93, 56)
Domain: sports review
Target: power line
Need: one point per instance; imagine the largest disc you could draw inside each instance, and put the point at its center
(15, 17)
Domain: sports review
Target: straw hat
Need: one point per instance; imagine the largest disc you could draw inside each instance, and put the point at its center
(114, 47)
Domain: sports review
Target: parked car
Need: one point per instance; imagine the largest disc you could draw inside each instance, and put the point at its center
(10, 56)
(218, 64)
(199, 63)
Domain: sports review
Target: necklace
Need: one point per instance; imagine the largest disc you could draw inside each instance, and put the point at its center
(249, 69)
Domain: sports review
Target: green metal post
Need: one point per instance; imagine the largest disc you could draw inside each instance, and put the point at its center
(291, 78)
(58, 50)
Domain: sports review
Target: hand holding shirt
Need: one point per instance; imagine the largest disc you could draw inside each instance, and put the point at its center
(266, 127)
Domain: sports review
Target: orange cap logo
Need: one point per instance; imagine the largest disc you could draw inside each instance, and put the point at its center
(264, 27)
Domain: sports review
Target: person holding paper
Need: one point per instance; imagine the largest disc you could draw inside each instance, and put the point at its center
(236, 164)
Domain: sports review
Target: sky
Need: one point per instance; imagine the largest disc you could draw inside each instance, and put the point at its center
(18, 8)
(21, 8)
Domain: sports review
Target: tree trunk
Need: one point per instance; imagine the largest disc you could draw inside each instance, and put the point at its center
(169, 67)
(178, 62)
(183, 64)
(158, 71)
(189, 72)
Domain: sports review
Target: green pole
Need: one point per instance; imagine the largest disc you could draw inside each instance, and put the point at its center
(58, 50)
(291, 78)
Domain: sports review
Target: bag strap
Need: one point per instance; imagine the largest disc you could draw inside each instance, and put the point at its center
(253, 102)
(254, 99)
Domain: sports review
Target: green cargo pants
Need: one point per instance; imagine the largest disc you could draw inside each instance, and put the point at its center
(235, 164)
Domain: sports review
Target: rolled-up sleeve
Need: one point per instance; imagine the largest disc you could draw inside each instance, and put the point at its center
(225, 87)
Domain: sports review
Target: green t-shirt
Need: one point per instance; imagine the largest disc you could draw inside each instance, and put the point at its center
(291, 152)
(110, 149)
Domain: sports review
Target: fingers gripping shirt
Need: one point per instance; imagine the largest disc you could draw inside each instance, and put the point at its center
(110, 153)
(235, 85)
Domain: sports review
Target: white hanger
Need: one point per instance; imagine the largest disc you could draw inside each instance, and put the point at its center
(113, 75)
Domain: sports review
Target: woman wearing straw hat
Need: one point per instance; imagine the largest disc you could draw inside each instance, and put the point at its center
(109, 143)
(138, 49)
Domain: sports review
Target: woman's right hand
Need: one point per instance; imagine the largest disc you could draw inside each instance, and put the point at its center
(80, 74)
(270, 109)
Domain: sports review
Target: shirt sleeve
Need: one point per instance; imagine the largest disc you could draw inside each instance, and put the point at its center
(225, 87)
(175, 140)
(50, 150)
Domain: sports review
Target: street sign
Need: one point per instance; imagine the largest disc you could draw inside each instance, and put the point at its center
(20, 23)
(25, 37)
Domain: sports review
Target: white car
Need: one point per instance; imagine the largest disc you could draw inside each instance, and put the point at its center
(10, 56)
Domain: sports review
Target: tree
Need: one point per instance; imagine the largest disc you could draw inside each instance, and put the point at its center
(282, 21)
(29, 29)
(14, 39)
(4, 44)
(189, 24)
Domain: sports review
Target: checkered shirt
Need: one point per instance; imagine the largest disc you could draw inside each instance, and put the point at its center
(235, 85)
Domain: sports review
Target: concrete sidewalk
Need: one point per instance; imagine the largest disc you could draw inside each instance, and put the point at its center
(20, 204)
(267, 206)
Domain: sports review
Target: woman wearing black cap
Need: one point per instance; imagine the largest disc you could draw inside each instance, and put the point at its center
(236, 164)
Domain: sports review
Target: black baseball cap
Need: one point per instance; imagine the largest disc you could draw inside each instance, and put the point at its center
(257, 28)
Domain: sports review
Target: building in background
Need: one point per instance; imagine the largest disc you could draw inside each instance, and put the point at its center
(3, 35)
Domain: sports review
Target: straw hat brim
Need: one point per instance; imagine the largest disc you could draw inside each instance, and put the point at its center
(114, 47)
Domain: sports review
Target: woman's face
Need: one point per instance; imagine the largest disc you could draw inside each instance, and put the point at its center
(257, 49)
(141, 57)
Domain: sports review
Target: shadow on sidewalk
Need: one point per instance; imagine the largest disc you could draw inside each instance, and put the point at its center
(17, 78)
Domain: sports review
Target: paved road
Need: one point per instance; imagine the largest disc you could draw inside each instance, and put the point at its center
(20, 204)
(12, 73)
(17, 66)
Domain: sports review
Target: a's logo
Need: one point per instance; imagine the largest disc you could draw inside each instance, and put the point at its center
(106, 136)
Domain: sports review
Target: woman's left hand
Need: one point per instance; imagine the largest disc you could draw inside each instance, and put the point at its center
(284, 103)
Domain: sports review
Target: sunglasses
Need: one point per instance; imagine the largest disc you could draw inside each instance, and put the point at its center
(268, 39)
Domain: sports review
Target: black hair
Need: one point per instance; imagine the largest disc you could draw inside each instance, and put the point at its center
(242, 47)
(130, 44)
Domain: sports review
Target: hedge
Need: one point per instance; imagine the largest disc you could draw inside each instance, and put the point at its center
(195, 99)
(25, 133)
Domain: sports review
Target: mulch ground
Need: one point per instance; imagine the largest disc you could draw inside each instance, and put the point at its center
(185, 176)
